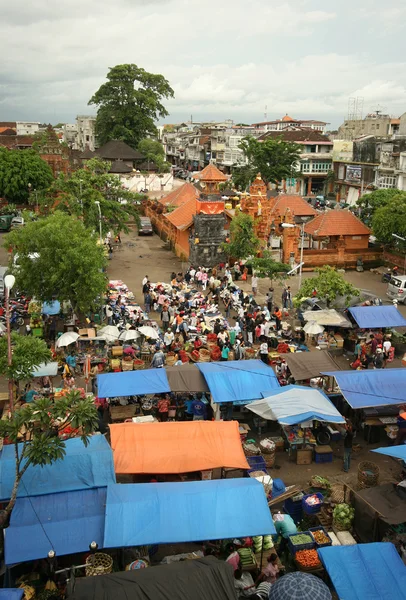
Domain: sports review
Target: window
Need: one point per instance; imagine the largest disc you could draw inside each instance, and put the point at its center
(87, 138)
(377, 126)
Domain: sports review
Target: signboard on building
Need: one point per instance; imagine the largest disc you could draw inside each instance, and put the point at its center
(353, 174)
(342, 150)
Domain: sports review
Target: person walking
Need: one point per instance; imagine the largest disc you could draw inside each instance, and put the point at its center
(277, 315)
(287, 298)
(348, 445)
(148, 302)
(269, 299)
(254, 284)
(227, 305)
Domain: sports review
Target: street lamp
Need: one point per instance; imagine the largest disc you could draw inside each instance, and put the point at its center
(291, 226)
(100, 220)
(402, 239)
(9, 282)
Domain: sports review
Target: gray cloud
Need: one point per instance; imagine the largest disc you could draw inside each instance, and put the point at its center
(224, 59)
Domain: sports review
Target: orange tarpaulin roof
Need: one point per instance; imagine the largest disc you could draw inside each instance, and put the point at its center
(176, 447)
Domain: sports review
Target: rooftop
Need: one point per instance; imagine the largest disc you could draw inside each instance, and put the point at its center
(336, 222)
(118, 166)
(180, 196)
(16, 141)
(211, 173)
(296, 204)
(287, 119)
(87, 153)
(182, 217)
(298, 135)
(116, 149)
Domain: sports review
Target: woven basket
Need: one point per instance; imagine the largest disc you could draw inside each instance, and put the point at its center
(127, 366)
(139, 364)
(231, 355)
(338, 526)
(204, 355)
(337, 493)
(98, 564)
(269, 459)
(368, 474)
(250, 451)
(249, 353)
(265, 449)
(171, 359)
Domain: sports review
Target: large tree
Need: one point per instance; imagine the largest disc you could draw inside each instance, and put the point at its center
(68, 263)
(329, 285)
(369, 203)
(267, 266)
(20, 172)
(77, 195)
(129, 104)
(27, 353)
(154, 152)
(274, 158)
(243, 242)
(390, 219)
(33, 430)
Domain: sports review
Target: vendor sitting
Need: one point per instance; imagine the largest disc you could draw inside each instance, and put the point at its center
(271, 571)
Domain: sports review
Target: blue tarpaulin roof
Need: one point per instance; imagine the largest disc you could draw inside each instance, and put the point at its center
(378, 387)
(365, 571)
(66, 523)
(395, 451)
(82, 467)
(11, 594)
(377, 316)
(51, 308)
(161, 513)
(294, 404)
(238, 380)
(132, 383)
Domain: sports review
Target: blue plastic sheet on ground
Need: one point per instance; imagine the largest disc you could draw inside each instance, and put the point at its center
(395, 451)
(163, 513)
(365, 571)
(238, 380)
(11, 594)
(83, 467)
(373, 387)
(66, 523)
(132, 383)
(377, 316)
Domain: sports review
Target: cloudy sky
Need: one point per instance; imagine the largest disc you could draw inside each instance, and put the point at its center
(224, 58)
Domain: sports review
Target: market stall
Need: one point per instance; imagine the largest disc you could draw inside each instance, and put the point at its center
(201, 579)
(82, 467)
(186, 378)
(66, 522)
(394, 451)
(132, 383)
(365, 571)
(179, 447)
(163, 513)
(374, 317)
(306, 365)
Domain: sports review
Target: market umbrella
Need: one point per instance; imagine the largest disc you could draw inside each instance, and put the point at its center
(110, 333)
(149, 332)
(66, 339)
(128, 335)
(313, 328)
(299, 586)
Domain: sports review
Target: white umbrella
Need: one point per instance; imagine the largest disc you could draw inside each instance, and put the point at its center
(128, 335)
(110, 333)
(149, 332)
(313, 328)
(66, 339)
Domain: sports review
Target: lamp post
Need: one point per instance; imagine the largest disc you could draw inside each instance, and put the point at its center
(100, 221)
(402, 239)
(291, 226)
(9, 282)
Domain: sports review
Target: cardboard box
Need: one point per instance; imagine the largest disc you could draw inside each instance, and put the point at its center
(206, 475)
(304, 457)
(83, 332)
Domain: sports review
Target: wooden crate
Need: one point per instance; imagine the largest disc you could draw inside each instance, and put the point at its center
(304, 457)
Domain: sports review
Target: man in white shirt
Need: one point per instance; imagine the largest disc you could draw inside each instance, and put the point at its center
(145, 280)
(263, 352)
(109, 314)
(168, 339)
(254, 284)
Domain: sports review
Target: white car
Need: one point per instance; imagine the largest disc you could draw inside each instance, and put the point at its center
(17, 222)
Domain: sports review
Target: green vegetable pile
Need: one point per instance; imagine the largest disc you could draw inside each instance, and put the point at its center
(246, 557)
(343, 515)
(321, 482)
(301, 538)
(257, 539)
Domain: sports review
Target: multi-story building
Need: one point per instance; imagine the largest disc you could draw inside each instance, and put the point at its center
(86, 136)
(27, 127)
(375, 124)
(69, 135)
(287, 121)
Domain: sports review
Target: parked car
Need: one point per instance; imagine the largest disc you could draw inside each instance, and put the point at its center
(396, 289)
(17, 222)
(145, 227)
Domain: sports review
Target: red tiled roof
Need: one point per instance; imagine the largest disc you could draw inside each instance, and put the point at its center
(182, 217)
(7, 131)
(296, 204)
(15, 141)
(287, 118)
(297, 135)
(211, 173)
(336, 222)
(182, 194)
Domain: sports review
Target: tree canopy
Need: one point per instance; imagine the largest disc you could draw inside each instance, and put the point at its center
(28, 352)
(77, 196)
(243, 241)
(274, 158)
(20, 168)
(129, 104)
(369, 203)
(390, 219)
(154, 152)
(267, 266)
(41, 421)
(69, 262)
(328, 284)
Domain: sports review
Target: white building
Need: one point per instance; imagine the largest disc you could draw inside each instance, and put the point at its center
(86, 132)
(27, 127)
(69, 135)
(287, 121)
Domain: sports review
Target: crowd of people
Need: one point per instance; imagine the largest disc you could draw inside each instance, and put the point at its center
(374, 352)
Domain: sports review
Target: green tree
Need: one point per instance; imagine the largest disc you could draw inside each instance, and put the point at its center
(243, 241)
(267, 266)
(274, 158)
(69, 263)
(77, 196)
(129, 104)
(241, 177)
(390, 219)
(329, 285)
(27, 353)
(20, 168)
(154, 152)
(369, 203)
(39, 444)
